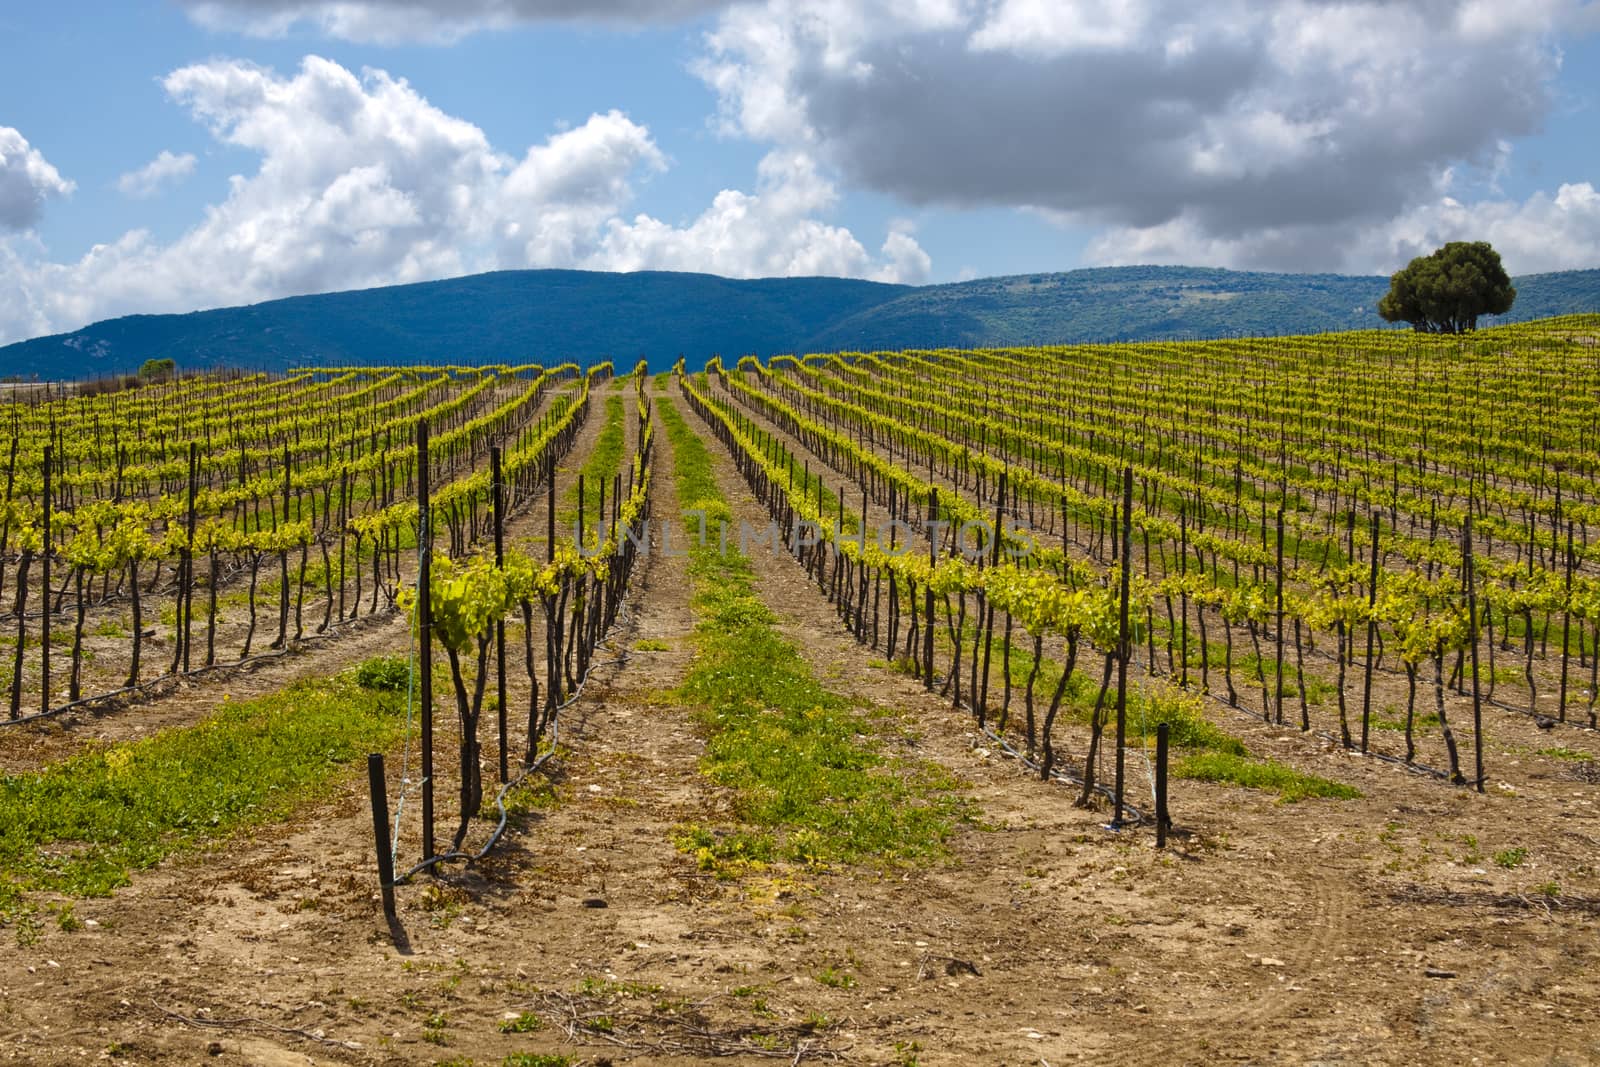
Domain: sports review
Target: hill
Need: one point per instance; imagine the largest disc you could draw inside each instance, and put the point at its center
(553, 315)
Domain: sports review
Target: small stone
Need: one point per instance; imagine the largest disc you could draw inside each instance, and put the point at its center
(595, 902)
(1438, 972)
(1271, 961)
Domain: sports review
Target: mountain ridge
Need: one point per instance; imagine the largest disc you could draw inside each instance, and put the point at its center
(556, 315)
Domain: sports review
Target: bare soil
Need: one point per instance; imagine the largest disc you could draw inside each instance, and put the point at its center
(1380, 930)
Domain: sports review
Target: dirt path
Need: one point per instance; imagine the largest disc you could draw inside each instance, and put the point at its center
(283, 929)
(1277, 933)
(1093, 945)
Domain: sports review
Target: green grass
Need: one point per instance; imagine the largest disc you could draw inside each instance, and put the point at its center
(536, 1059)
(1393, 718)
(805, 764)
(1270, 775)
(82, 826)
(1564, 753)
(599, 469)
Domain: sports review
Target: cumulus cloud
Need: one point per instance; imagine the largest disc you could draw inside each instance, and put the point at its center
(27, 180)
(769, 232)
(164, 170)
(1241, 124)
(430, 21)
(363, 182)
(1541, 233)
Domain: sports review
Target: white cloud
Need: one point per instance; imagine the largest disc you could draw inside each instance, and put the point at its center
(1055, 27)
(1541, 233)
(907, 262)
(1241, 125)
(148, 180)
(428, 21)
(362, 182)
(770, 232)
(27, 180)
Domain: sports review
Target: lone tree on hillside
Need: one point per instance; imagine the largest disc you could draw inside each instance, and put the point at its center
(158, 370)
(1447, 291)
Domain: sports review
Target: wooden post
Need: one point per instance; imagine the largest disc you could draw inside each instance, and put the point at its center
(1277, 685)
(927, 601)
(1372, 633)
(188, 551)
(1472, 643)
(425, 631)
(44, 561)
(497, 498)
(1123, 643)
(380, 830)
(1162, 819)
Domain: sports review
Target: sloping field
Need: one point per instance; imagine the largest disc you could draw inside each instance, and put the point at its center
(818, 726)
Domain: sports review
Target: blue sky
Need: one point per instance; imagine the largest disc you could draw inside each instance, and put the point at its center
(167, 155)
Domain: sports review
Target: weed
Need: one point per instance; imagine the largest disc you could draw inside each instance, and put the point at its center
(1564, 753)
(610, 987)
(1288, 783)
(836, 979)
(1510, 858)
(536, 1059)
(906, 1053)
(526, 1023)
(728, 854)
(536, 793)
(443, 903)
(386, 674)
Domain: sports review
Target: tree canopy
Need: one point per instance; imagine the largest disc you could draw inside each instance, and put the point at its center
(158, 370)
(1446, 292)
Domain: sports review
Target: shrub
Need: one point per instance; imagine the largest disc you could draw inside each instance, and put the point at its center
(388, 674)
